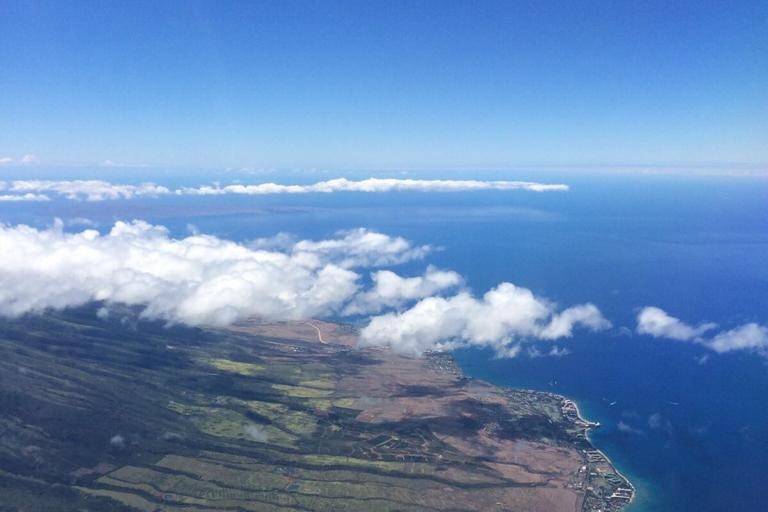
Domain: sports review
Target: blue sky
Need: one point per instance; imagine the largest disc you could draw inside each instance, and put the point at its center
(384, 84)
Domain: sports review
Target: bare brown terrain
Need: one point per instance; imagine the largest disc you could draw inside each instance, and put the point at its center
(545, 473)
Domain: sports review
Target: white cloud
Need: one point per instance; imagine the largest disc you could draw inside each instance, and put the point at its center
(23, 197)
(393, 291)
(260, 189)
(586, 315)
(204, 280)
(361, 248)
(89, 190)
(98, 190)
(80, 221)
(558, 351)
(196, 280)
(30, 159)
(373, 185)
(658, 323)
(555, 351)
(746, 337)
(503, 318)
(5, 160)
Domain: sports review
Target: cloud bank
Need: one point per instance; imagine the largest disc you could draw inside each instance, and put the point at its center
(657, 323)
(374, 185)
(98, 190)
(196, 280)
(204, 280)
(88, 190)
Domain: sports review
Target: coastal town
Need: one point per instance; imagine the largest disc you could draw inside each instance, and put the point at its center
(606, 490)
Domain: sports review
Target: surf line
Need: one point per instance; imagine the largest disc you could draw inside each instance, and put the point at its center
(586, 434)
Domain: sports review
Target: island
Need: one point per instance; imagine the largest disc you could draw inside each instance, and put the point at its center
(113, 412)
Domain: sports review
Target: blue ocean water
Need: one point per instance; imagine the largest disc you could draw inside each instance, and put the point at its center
(690, 431)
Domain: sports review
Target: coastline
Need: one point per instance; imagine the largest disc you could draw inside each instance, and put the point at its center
(607, 458)
(626, 499)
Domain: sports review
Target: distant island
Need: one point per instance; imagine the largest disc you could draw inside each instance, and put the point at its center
(129, 415)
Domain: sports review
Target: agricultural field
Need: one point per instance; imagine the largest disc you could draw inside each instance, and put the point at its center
(126, 414)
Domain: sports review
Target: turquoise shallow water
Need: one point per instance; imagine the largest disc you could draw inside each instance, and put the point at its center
(691, 436)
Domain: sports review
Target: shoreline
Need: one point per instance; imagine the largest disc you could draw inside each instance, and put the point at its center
(607, 458)
(580, 421)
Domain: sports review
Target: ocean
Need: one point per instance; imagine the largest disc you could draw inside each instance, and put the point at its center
(689, 427)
